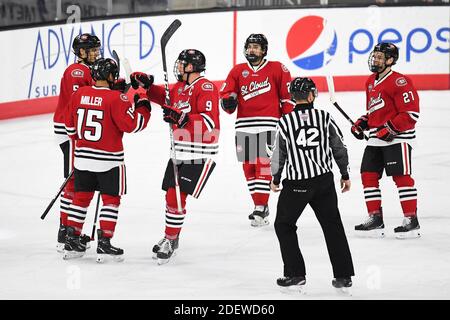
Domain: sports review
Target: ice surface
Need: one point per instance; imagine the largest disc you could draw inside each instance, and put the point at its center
(220, 255)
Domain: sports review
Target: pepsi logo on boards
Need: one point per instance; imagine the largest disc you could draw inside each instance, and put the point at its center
(311, 42)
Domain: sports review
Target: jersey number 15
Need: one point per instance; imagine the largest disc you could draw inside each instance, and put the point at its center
(88, 126)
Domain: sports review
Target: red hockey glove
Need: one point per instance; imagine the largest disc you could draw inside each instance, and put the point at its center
(360, 125)
(120, 85)
(141, 79)
(387, 132)
(229, 104)
(175, 116)
(141, 100)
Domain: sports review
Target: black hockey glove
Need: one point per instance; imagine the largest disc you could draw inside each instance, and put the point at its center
(387, 132)
(229, 104)
(120, 85)
(175, 116)
(141, 79)
(360, 125)
(142, 101)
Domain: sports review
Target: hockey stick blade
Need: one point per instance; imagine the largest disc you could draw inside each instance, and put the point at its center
(116, 57)
(164, 40)
(331, 91)
(127, 67)
(169, 33)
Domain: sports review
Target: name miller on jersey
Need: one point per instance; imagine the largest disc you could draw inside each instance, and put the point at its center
(92, 101)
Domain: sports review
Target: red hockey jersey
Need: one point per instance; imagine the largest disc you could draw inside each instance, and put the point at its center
(75, 76)
(199, 138)
(96, 118)
(262, 95)
(392, 98)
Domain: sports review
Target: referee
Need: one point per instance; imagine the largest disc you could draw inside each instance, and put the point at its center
(308, 139)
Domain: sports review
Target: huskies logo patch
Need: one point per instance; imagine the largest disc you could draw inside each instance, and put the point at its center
(77, 73)
(207, 86)
(401, 82)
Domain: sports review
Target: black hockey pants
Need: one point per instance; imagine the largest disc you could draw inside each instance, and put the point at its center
(320, 193)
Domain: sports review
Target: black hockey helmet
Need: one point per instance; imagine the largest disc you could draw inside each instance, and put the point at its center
(389, 49)
(190, 56)
(102, 67)
(194, 57)
(85, 41)
(301, 87)
(258, 38)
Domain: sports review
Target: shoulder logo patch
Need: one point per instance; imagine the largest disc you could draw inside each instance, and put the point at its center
(77, 73)
(283, 67)
(124, 97)
(401, 82)
(207, 86)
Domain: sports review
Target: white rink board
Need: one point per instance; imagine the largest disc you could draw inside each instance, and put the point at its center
(35, 66)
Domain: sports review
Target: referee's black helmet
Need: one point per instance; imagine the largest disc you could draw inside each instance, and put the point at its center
(301, 87)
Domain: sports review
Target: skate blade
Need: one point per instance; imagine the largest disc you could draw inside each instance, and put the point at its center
(344, 291)
(162, 261)
(60, 247)
(68, 255)
(102, 258)
(413, 234)
(258, 222)
(294, 290)
(375, 233)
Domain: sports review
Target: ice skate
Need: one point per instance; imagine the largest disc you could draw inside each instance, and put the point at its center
(73, 247)
(61, 238)
(410, 229)
(292, 285)
(166, 250)
(343, 285)
(373, 227)
(85, 239)
(260, 216)
(158, 246)
(106, 251)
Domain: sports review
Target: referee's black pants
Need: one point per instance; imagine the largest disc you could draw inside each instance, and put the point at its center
(320, 193)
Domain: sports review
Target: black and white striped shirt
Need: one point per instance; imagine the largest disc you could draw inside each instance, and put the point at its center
(308, 139)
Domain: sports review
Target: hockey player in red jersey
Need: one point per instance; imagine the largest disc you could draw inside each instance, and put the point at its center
(258, 90)
(392, 113)
(87, 49)
(194, 117)
(97, 117)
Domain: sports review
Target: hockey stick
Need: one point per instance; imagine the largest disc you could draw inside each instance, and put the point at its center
(127, 67)
(57, 195)
(116, 57)
(164, 40)
(330, 83)
(95, 218)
